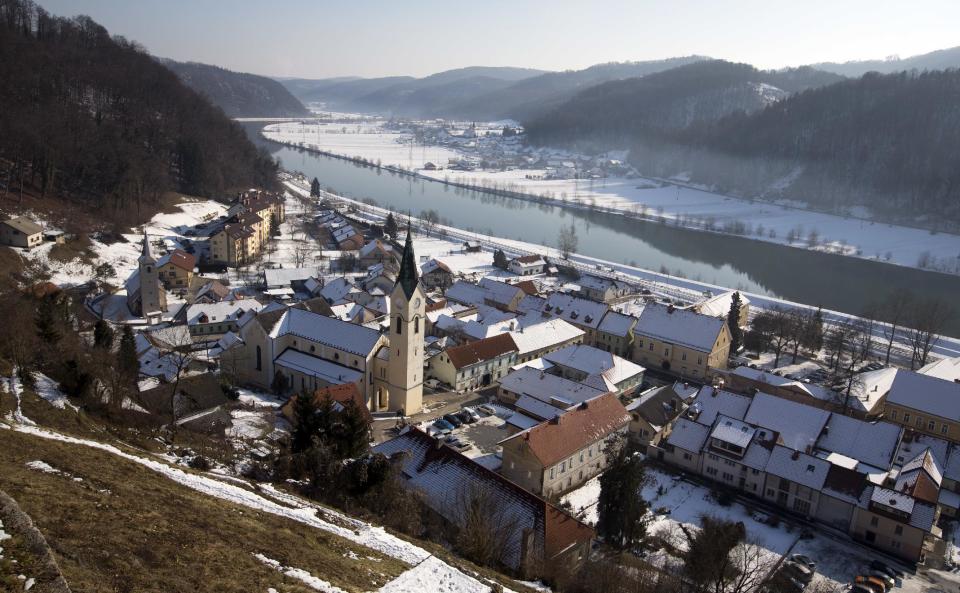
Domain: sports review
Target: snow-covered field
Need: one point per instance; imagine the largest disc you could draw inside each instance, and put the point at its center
(694, 208)
(361, 140)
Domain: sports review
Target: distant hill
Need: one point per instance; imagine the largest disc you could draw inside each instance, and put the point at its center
(616, 113)
(94, 119)
(935, 60)
(237, 93)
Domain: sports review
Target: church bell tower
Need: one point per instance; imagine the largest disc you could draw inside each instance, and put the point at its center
(405, 366)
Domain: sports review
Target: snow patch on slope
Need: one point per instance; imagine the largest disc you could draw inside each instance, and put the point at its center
(434, 575)
(301, 575)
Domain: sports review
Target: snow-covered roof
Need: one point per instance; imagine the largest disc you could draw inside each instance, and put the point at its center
(732, 431)
(799, 425)
(547, 387)
(536, 408)
(281, 277)
(711, 401)
(522, 421)
(329, 372)
(922, 515)
(221, 311)
(617, 324)
(342, 335)
(544, 333)
(798, 467)
(873, 443)
(926, 393)
(682, 327)
(499, 292)
(594, 361)
(688, 435)
(581, 312)
(719, 305)
(466, 293)
(947, 369)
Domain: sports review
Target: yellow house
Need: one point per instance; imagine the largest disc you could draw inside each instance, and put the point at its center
(476, 364)
(176, 269)
(924, 403)
(680, 341)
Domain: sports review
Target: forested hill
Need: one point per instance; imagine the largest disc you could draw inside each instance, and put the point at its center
(891, 142)
(95, 119)
(237, 93)
(617, 112)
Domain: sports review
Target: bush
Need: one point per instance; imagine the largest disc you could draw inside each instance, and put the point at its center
(724, 498)
(200, 463)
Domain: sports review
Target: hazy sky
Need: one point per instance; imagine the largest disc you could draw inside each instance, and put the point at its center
(418, 37)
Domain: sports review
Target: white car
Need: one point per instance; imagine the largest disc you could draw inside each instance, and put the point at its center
(473, 413)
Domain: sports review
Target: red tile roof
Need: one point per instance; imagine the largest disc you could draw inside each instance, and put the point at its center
(481, 350)
(554, 440)
(338, 393)
(182, 260)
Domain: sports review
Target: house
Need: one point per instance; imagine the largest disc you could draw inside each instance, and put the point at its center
(211, 320)
(538, 337)
(553, 390)
(436, 274)
(294, 278)
(176, 269)
(254, 217)
(501, 295)
(527, 265)
(582, 313)
(213, 291)
(603, 290)
(924, 403)
(21, 232)
(475, 364)
(539, 538)
(562, 453)
(682, 342)
(377, 251)
(615, 334)
(654, 409)
(593, 366)
(719, 306)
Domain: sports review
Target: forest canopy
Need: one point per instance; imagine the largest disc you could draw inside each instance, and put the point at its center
(95, 119)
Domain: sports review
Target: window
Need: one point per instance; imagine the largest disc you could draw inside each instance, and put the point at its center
(399, 325)
(944, 428)
(894, 544)
(874, 521)
(416, 325)
(712, 471)
(931, 425)
(919, 421)
(563, 467)
(666, 352)
(651, 346)
(553, 472)
(893, 414)
(906, 418)
(687, 456)
(259, 361)
(898, 530)
(684, 356)
(801, 506)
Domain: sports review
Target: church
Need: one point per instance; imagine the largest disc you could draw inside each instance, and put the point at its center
(145, 295)
(294, 350)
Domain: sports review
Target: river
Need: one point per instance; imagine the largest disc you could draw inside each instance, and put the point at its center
(836, 282)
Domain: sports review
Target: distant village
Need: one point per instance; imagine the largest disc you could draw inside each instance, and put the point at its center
(514, 372)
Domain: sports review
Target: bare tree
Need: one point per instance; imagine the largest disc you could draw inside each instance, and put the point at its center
(301, 249)
(928, 318)
(893, 310)
(567, 241)
(485, 527)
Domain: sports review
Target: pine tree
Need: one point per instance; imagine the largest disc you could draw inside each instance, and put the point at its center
(102, 335)
(500, 259)
(48, 328)
(620, 508)
(352, 432)
(315, 188)
(813, 338)
(733, 323)
(306, 423)
(390, 226)
(127, 354)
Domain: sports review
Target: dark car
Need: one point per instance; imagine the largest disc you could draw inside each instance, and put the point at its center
(456, 422)
(884, 567)
(465, 417)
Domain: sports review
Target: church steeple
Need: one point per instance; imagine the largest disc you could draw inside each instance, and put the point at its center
(145, 256)
(408, 278)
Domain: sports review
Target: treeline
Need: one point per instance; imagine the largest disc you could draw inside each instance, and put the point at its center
(95, 119)
(655, 106)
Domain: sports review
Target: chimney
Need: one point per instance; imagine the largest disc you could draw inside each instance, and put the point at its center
(671, 309)
(795, 455)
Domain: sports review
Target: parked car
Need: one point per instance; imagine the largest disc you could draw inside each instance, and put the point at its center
(872, 583)
(881, 565)
(804, 560)
(443, 425)
(489, 410)
(473, 413)
(883, 576)
(798, 571)
(858, 588)
(452, 419)
(465, 417)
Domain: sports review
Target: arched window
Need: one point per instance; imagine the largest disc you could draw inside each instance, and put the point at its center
(416, 325)
(259, 367)
(399, 325)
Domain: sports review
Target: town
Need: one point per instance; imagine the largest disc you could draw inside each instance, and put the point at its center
(521, 376)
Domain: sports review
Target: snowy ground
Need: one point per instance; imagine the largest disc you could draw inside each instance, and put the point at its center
(838, 559)
(650, 198)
